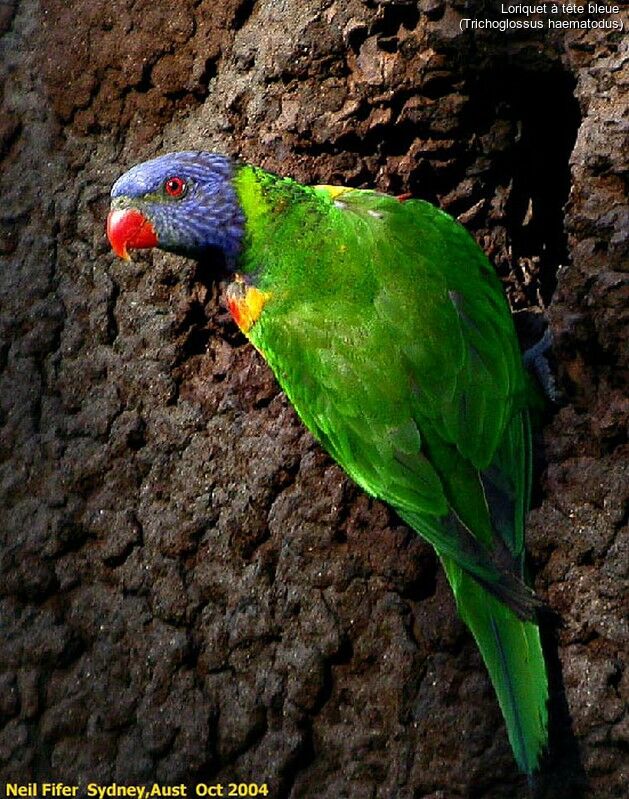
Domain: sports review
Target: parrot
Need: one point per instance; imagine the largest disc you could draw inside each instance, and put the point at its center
(388, 330)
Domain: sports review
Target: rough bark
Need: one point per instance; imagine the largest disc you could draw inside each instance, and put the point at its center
(191, 590)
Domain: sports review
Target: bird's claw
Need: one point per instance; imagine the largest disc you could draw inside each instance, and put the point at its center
(536, 361)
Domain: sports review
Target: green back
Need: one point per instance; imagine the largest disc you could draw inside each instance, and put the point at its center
(389, 332)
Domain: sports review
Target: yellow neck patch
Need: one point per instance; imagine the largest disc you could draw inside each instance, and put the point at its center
(333, 191)
(245, 303)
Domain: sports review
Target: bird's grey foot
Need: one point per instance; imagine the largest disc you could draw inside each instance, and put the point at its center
(536, 361)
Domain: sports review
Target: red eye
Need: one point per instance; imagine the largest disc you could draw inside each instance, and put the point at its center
(175, 186)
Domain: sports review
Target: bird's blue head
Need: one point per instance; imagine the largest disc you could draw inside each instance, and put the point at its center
(181, 202)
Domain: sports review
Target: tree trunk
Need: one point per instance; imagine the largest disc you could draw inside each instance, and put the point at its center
(191, 591)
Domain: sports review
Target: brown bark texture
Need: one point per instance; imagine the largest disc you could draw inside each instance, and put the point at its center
(191, 591)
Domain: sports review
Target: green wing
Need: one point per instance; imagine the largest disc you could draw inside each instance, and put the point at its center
(408, 372)
(389, 332)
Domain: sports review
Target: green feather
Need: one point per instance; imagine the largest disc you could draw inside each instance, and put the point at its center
(512, 652)
(388, 330)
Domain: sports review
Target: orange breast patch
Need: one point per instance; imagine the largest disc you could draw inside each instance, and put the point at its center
(245, 303)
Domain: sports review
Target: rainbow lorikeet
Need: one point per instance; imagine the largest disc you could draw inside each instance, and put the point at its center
(387, 328)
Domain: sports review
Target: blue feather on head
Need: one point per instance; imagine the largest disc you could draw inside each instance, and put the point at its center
(183, 202)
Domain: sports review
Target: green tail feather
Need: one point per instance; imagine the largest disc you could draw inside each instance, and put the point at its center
(512, 652)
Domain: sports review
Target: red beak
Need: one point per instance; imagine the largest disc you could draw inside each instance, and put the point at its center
(128, 229)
